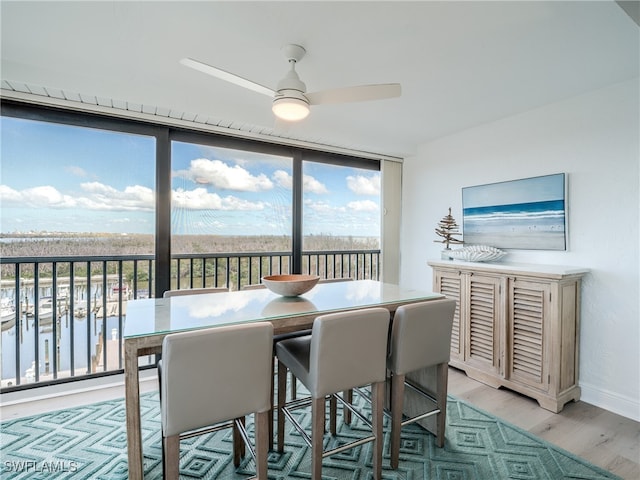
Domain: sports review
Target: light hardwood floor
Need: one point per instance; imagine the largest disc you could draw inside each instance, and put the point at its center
(601, 437)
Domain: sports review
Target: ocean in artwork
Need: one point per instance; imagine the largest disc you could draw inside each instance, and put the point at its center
(489, 220)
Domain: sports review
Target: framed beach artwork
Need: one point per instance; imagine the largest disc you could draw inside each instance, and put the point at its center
(528, 214)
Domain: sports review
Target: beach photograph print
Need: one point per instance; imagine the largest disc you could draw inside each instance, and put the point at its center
(528, 214)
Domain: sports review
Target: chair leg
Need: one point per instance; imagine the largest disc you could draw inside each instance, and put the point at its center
(317, 437)
(346, 413)
(377, 407)
(262, 443)
(294, 387)
(442, 378)
(273, 394)
(347, 395)
(397, 403)
(282, 397)
(237, 445)
(171, 459)
(333, 414)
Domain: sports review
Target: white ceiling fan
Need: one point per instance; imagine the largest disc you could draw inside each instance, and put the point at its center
(291, 101)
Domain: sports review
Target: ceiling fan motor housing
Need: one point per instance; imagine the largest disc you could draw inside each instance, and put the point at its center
(290, 102)
(291, 81)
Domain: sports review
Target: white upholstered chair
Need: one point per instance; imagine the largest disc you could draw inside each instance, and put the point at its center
(216, 375)
(254, 286)
(193, 291)
(335, 280)
(420, 337)
(345, 350)
(285, 336)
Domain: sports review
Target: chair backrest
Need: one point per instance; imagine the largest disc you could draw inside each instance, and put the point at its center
(421, 335)
(215, 374)
(254, 286)
(348, 349)
(334, 280)
(193, 291)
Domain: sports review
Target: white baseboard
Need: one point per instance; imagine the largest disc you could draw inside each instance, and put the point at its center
(619, 404)
(71, 388)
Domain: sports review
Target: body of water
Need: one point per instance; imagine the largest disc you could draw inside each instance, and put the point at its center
(535, 225)
(72, 335)
(77, 330)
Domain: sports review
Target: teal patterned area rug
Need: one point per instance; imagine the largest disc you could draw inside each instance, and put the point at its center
(90, 443)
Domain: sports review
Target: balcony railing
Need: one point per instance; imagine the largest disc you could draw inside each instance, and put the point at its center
(63, 317)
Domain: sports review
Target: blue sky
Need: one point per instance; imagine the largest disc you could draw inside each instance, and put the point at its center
(59, 178)
(535, 189)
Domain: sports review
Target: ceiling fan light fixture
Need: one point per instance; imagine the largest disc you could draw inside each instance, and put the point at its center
(290, 109)
(290, 100)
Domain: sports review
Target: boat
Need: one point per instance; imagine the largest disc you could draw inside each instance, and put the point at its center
(117, 292)
(45, 309)
(7, 311)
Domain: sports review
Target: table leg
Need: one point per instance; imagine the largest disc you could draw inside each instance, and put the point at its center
(132, 404)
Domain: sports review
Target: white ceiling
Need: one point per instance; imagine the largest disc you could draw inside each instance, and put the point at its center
(460, 64)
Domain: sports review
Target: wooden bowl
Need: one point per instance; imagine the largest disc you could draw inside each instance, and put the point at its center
(290, 285)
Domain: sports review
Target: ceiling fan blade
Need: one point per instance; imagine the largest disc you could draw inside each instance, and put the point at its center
(360, 93)
(226, 76)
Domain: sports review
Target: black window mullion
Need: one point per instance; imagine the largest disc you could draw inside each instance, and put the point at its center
(296, 212)
(163, 213)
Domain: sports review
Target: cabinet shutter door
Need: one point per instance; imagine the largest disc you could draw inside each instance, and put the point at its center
(450, 287)
(527, 332)
(517, 326)
(483, 335)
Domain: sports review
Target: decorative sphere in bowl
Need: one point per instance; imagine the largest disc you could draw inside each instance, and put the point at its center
(290, 285)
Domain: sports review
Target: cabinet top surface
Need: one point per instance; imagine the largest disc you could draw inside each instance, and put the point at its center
(505, 267)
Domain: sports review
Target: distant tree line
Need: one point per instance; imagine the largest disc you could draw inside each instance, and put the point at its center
(86, 245)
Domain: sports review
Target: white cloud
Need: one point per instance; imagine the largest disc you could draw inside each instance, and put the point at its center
(283, 179)
(200, 199)
(323, 207)
(36, 197)
(100, 197)
(223, 176)
(312, 185)
(309, 183)
(364, 185)
(104, 197)
(363, 206)
(234, 203)
(9, 196)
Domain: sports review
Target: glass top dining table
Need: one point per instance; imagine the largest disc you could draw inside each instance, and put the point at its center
(148, 321)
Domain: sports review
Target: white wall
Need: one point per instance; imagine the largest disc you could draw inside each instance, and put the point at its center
(594, 138)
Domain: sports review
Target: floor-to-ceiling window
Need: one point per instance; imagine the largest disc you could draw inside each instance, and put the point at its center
(276, 197)
(69, 191)
(341, 213)
(232, 201)
(155, 207)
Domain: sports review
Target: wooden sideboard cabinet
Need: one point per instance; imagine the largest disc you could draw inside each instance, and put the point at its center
(516, 326)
